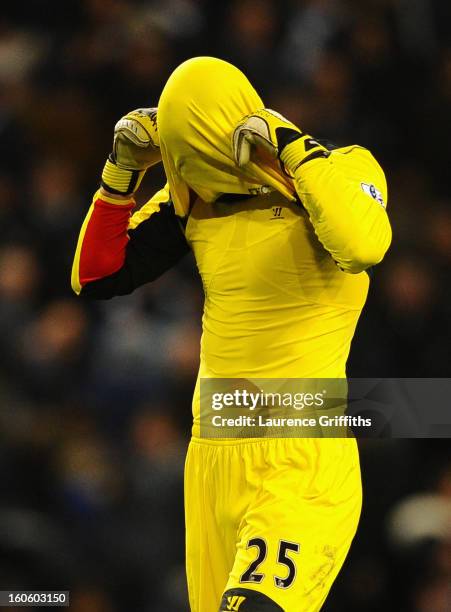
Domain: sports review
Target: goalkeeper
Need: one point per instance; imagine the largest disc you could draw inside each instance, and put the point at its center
(282, 229)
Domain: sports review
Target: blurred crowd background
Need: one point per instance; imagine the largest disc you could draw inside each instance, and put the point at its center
(95, 397)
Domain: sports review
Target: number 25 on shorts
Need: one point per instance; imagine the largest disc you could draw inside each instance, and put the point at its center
(285, 549)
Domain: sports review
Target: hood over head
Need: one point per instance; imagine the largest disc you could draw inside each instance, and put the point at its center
(201, 103)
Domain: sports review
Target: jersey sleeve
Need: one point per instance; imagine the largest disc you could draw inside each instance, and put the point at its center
(345, 196)
(118, 252)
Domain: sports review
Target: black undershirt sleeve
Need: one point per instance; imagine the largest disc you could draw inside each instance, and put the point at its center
(156, 245)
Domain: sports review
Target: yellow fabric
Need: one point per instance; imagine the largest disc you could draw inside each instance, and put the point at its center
(350, 223)
(304, 491)
(198, 110)
(75, 275)
(276, 304)
(150, 207)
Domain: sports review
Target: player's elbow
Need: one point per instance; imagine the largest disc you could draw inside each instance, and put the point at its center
(361, 260)
(364, 254)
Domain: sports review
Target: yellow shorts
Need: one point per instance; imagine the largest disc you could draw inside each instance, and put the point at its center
(268, 522)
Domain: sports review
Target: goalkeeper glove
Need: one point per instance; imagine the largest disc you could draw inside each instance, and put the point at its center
(282, 139)
(135, 148)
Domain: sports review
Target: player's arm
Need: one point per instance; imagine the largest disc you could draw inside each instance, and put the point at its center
(117, 251)
(350, 222)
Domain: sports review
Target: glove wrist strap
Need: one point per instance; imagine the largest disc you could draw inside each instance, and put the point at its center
(286, 136)
(301, 151)
(118, 180)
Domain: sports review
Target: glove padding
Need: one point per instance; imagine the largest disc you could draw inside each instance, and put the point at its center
(135, 149)
(136, 145)
(272, 132)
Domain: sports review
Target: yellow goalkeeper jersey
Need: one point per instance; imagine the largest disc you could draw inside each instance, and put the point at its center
(277, 305)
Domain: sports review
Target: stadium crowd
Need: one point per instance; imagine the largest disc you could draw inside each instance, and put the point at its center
(95, 397)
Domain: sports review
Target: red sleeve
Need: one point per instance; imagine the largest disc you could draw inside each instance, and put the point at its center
(102, 242)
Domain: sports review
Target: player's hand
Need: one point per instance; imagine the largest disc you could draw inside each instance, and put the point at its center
(135, 149)
(136, 145)
(271, 131)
